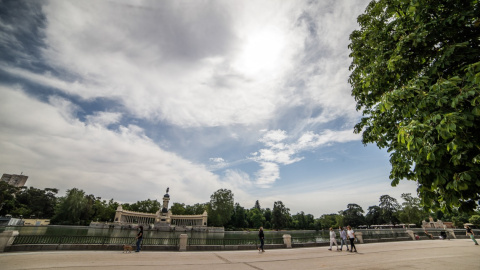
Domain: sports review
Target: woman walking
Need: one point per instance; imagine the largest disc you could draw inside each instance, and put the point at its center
(333, 239)
(262, 238)
(351, 236)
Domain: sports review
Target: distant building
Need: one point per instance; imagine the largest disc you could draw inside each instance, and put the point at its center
(436, 224)
(36, 222)
(15, 179)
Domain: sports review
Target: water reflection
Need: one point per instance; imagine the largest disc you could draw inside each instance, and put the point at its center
(317, 236)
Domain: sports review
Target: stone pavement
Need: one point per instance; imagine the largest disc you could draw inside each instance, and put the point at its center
(425, 254)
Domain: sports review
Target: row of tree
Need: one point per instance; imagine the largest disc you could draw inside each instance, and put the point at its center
(79, 208)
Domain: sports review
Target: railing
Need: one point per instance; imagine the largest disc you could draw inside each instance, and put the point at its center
(237, 241)
(308, 239)
(89, 240)
(106, 240)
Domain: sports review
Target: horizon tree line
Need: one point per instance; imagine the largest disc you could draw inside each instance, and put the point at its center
(79, 208)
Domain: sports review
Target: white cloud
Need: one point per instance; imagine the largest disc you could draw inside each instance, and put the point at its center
(202, 64)
(55, 149)
(284, 153)
(242, 66)
(104, 119)
(268, 174)
(217, 163)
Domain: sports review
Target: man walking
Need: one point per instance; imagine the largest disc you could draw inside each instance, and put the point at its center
(343, 238)
(139, 238)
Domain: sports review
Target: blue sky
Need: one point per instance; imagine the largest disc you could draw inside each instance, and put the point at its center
(126, 98)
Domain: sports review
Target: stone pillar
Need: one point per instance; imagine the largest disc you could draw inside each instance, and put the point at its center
(6, 239)
(287, 240)
(359, 235)
(411, 234)
(183, 242)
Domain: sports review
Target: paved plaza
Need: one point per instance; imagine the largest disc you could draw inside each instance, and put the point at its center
(454, 254)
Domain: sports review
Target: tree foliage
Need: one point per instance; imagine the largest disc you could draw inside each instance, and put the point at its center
(239, 218)
(256, 218)
(388, 209)
(411, 212)
(178, 208)
(7, 198)
(221, 207)
(327, 220)
(475, 220)
(280, 215)
(72, 209)
(374, 215)
(415, 75)
(145, 206)
(353, 215)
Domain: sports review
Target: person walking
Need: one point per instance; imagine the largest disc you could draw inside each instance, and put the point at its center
(351, 236)
(139, 238)
(343, 238)
(333, 239)
(469, 232)
(261, 236)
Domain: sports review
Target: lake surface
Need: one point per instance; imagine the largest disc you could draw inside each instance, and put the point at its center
(320, 236)
(297, 235)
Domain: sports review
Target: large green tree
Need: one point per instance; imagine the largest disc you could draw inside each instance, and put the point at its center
(72, 209)
(280, 215)
(326, 221)
(220, 207)
(411, 212)
(196, 209)
(8, 203)
(256, 218)
(389, 207)
(37, 202)
(353, 215)
(178, 208)
(374, 215)
(239, 218)
(415, 75)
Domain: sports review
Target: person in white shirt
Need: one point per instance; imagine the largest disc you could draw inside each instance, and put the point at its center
(351, 236)
(343, 238)
(333, 239)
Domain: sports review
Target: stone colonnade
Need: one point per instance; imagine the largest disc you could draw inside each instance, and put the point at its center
(187, 221)
(137, 219)
(131, 217)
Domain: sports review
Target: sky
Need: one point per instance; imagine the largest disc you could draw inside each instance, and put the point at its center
(123, 99)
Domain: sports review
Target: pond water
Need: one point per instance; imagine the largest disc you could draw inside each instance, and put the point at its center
(89, 231)
(297, 235)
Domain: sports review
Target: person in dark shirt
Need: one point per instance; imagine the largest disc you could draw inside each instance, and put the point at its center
(469, 232)
(262, 238)
(139, 238)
